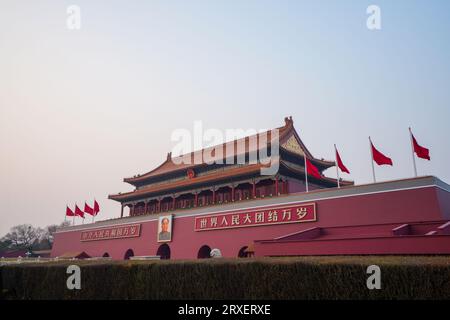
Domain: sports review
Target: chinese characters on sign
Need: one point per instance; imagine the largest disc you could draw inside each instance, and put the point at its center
(128, 231)
(257, 217)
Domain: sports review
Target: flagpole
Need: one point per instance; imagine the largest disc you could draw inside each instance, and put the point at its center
(93, 213)
(337, 168)
(371, 160)
(65, 215)
(306, 172)
(82, 221)
(412, 149)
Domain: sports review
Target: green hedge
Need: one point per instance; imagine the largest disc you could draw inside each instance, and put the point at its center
(269, 278)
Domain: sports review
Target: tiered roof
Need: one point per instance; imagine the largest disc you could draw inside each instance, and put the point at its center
(290, 144)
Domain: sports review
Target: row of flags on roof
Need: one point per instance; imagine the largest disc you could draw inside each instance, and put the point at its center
(91, 210)
(377, 157)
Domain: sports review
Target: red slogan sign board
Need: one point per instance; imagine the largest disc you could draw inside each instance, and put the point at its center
(119, 232)
(257, 217)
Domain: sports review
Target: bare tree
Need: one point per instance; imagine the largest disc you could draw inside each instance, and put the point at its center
(23, 236)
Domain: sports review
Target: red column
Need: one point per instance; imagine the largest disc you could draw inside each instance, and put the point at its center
(232, 193)
(196, 200)
(254, 190)
(159, 205)
(276, 187)
(121, 212)
(145, 207)
(132, 210)
(214, 196)
(173, 203)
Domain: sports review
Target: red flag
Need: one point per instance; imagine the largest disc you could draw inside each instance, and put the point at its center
(380, 158)
(312, 169)
(88, 209)
(69, 212)
(78, 212)
(96, 208)
(421, 152)
(340, 163)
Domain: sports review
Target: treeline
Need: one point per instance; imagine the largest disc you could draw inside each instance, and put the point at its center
(28, 237)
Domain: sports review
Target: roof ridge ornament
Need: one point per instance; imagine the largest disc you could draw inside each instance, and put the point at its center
(288, 121)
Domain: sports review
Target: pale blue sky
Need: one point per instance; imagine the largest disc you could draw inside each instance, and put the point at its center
(80, 110)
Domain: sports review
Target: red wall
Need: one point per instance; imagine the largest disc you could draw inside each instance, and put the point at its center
(424, 204)
(387, 245)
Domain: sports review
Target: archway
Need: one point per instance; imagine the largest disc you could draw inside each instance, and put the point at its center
(163, 251)
(242, 253)
(106, 255)
(128, 254)
(204, 252)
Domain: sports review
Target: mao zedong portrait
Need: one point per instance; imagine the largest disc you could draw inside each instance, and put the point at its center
(164, 233)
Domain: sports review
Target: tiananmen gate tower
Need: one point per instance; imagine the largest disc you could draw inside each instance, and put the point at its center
(186, 210)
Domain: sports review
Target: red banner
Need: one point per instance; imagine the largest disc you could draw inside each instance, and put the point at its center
(257, 217)
(119, 232)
